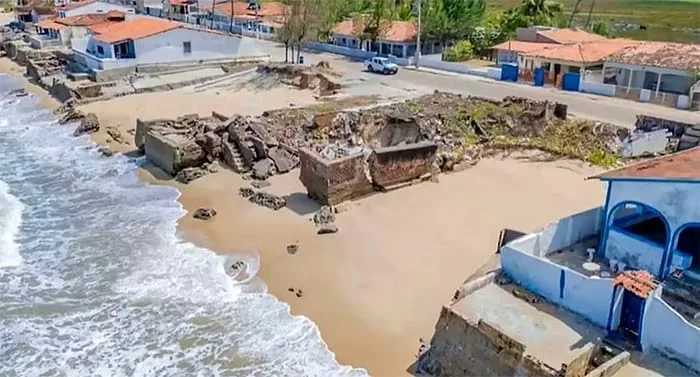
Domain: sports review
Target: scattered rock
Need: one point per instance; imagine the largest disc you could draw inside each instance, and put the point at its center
(263, 169)
(292, 248)
(204, 213)
(324, 216)
(327, 228)
(291, 290)
(299, 293)
(284, 161)
(259, 184)
(212, 144)
(110, 173)
(88, 125)
(268, 200)
(116, 135)
(105, 151)
(188, 175)
(246, 192)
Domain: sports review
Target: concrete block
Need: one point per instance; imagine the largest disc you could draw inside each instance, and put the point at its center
(173, 153)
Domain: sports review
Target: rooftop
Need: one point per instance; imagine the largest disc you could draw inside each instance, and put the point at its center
(522, 46)
(396, 31)
(683, 165)
(50, 24)
(552, 335)
(76, 4)
(582, 52)
(660, 54)
(91, 19)
(240, 9)
(568, 36)
(133, 29)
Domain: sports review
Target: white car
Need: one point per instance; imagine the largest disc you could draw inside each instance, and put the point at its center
(382, 65)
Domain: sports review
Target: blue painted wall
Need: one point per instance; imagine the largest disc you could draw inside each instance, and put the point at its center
(635, 252)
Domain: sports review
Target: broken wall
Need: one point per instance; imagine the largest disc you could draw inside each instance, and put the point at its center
(333, 182)
(403, 163)
(173, 153)
(462, 348)
(649, 123)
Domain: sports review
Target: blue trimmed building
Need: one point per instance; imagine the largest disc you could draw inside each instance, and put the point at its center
(632, 266)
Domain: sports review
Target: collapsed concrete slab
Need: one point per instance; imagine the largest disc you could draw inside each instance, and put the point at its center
(393, 166)
(333, 182)
(173, 153)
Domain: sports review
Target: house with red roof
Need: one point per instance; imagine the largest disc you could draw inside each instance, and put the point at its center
(148, 40)
(90, 7)
(64, 30)
(397, 38)
(263, 18)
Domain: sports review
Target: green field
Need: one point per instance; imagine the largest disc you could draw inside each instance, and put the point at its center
(667, 20)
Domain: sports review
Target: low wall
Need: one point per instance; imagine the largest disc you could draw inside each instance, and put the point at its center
(610, 367)
(598, 88)
(403, 163)
(522, 260)
(333, 182)
(340, 50)
(649, 123)
(667, 331)
(635, 252)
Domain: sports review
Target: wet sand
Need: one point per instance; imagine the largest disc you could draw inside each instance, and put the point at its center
(378, 285)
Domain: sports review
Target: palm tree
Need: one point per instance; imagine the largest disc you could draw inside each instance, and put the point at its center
(540, 10)
(573, 12)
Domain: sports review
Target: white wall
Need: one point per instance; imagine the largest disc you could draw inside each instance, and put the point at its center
(634, 252)
(521, 260)
(96, 7)
(668, 332)
(598, 88)
(168, 46)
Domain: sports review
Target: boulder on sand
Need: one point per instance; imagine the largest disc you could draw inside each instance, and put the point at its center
(88, 125)
(204, 213)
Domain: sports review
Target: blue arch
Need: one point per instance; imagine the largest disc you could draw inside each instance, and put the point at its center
(674, 243)
(609, 219)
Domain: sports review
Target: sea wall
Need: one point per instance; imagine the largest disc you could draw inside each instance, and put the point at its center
(462, 348)
(403, 163)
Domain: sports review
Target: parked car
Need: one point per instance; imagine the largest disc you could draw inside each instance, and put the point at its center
(382, 65)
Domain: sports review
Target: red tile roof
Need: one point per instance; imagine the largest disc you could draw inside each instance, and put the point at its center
(681, 165)
(641, 283)
(582, 52)
(397, 31)
(567, 36)
(522, 46)
(240, 9)
(50, 24)
(91, 19)
(76, 5)
(660, 54)
(133, 29)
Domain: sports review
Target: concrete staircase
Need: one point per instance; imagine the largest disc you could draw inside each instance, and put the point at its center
(236, 161)
(683, 294)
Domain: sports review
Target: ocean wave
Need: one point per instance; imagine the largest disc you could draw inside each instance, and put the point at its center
(106, 288)
(10, 220)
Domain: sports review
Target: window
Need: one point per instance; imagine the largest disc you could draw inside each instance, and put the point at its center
(187, 47)
(100, 50)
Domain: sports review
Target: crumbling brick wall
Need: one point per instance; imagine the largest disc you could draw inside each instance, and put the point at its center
(333, 182)
(649, 123)
(403, 163)
(462, 348)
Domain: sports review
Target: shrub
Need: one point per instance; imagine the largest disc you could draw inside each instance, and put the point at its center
(460, 52)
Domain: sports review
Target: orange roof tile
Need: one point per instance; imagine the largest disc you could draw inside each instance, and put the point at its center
(681, 165)
(133, 29)
(397, 31)
(50, 24)
(83, 20)
(240, 9)
(660, 54)
(521, 46)
(641, 283)
(566, 36)
(76, 5)
(585, 52)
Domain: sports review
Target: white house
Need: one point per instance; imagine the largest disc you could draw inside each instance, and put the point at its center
(657, 72)
(398, 39)
(63, 30)
(90, 7)
(248, 17)
(631, 266)
(147, 40)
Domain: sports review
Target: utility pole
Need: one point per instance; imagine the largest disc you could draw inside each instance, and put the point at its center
(417, 57)
(590, 12)
(573, 13)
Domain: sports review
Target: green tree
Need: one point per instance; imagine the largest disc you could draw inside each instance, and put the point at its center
(451, 20)
(601, 28)
(462, 51)
(540, 12)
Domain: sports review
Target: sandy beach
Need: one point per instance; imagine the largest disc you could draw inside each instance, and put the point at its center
(377, 286)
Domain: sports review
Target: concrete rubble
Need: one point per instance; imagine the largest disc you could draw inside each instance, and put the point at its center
(204, 213)
(319, 78)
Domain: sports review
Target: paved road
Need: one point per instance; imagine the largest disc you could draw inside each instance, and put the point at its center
(604, 109)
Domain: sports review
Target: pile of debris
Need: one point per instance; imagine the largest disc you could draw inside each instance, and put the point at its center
(88, 123)
(263, 199)
(320, 78)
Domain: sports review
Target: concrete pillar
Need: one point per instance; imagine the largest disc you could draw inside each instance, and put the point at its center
(629, 81)
(658, 83)
(404, 51)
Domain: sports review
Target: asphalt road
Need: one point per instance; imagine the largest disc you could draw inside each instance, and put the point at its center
(604, 109)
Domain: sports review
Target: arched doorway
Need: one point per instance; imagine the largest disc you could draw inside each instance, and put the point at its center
(641, 221)
(688, 242)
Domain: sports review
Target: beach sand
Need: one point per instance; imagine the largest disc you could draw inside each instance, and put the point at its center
(378, 285)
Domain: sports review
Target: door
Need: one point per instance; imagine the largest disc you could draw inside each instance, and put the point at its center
(631, 316)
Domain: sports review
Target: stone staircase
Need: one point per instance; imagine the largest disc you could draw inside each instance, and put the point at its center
(234, 158)
(683, 294)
